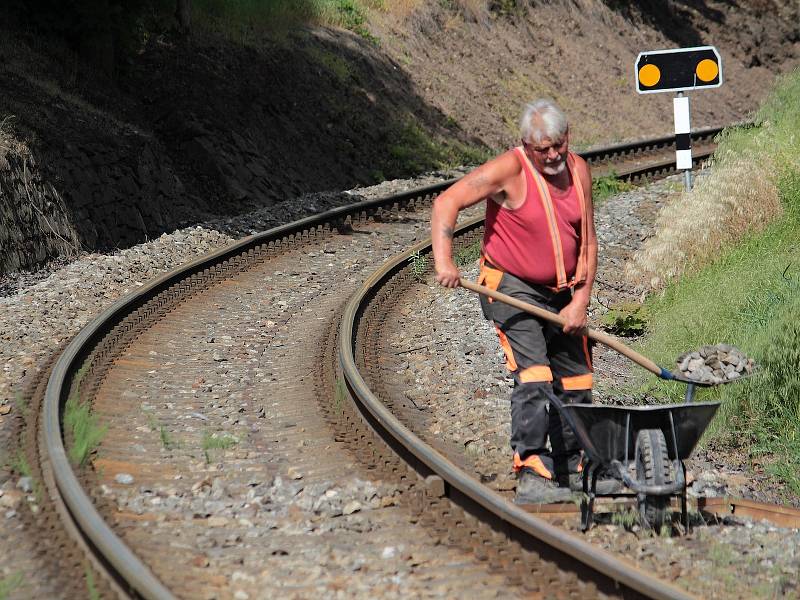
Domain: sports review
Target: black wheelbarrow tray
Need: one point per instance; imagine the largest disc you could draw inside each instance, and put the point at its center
(654, 440)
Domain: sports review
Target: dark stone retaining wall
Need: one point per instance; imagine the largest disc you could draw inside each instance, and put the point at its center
(34, 226)
(63, 196)
(185, 133)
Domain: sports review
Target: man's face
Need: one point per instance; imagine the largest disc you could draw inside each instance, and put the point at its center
(549, 156)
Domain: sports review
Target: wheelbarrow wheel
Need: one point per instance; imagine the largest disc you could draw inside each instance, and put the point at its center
(653, 467)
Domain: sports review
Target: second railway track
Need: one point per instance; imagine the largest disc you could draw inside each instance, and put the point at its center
(234, 464)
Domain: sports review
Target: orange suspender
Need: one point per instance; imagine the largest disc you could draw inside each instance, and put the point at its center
(581, 267)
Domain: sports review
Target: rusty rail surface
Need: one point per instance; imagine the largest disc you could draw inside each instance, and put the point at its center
(782, 516)
(119, 565)
(711, 508)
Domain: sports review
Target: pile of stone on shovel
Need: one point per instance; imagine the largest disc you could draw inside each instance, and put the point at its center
(715, 364)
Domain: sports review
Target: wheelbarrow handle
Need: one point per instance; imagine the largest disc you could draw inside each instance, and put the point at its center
(598, 336)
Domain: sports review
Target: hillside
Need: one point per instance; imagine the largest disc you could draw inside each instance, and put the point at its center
(480, 66)
(215, 124)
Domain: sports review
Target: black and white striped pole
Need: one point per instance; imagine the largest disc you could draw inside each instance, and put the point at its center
(683, 138)
(679, 70)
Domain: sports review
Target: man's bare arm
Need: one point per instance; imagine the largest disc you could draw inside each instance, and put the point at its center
(481, 183)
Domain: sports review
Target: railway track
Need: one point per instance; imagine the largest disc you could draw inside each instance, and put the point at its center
(230, 430)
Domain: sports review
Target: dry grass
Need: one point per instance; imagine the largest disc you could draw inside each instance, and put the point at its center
(471, 11)
(739, 196)
(475, 11)
(9, 143)
(401, 9)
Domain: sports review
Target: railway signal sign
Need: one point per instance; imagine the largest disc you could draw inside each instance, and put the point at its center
(678, 70)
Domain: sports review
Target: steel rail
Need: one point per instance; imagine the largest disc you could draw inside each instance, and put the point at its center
(720, 507)
(461, 487)
(712, 507)
(123, 566)
(603, 153)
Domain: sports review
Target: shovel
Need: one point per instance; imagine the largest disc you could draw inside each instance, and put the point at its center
(593, 334)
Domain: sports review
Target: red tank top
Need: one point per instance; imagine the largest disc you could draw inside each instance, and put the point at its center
(543, 240)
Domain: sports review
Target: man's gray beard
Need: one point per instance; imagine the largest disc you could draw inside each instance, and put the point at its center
(549, 170)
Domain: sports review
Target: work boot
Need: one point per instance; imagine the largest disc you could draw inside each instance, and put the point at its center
(605, 485)
(532, 488)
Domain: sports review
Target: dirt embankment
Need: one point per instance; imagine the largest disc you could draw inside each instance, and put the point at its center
(480, 68)
(186, 131)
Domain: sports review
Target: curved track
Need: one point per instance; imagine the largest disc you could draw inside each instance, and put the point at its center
(358, 344)
(234, 323)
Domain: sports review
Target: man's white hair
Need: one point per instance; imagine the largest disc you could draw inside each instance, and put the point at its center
(542, 119)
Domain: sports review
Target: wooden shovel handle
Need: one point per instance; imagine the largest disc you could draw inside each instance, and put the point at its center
(603, 338)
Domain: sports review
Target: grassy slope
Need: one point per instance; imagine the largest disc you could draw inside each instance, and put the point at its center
(750, 296)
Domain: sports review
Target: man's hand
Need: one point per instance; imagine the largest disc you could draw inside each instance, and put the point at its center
(448, 274)
(574, 315)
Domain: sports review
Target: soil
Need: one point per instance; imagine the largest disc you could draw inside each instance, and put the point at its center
(581, 53)
(192, 129)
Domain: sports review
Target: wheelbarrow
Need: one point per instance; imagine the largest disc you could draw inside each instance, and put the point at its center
(642, 446)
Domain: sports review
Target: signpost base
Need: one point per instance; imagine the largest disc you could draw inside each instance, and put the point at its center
(687, 180)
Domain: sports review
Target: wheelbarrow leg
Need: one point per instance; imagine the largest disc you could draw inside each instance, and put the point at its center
(684, 501)
(587, 502)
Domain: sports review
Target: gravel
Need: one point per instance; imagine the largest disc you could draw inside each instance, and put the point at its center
(468, 410)
(466, 414)
(715, 364)
(41, 310)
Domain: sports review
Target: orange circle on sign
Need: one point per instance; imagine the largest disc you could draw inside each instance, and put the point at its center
(649, 75)
(707, 70)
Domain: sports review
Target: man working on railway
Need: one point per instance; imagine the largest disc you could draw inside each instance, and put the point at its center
(539, 246)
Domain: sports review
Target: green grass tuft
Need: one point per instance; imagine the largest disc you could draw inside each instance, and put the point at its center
(625, 518)
(420, 265)
(86, 432)
(20, 465)
(608, 185)
(217, 441)
(21, 403)
(340, 396)
(10, 584)
(91, 587)
(246, 21)
(626, 319)
(468, 255)
(332, 63)
(167, 441)
(415, 150)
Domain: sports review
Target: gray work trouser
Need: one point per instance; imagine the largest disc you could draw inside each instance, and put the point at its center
(545, 362)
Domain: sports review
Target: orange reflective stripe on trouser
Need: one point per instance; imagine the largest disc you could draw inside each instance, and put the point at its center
(586, 354)
(489, 277)
(577, 382)
(532, 462)
(535, 374)
(511, 364)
